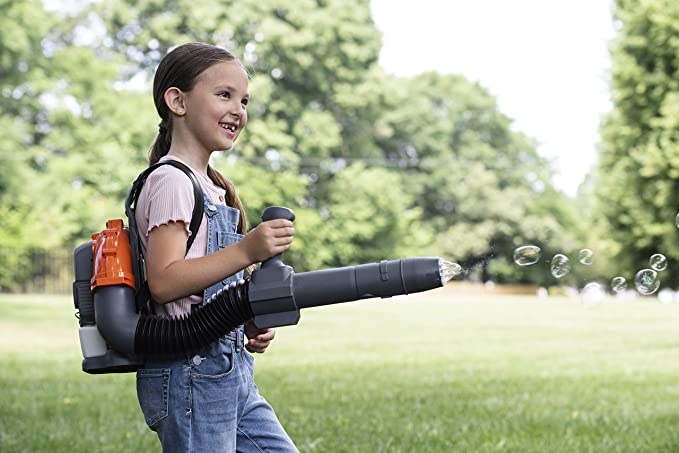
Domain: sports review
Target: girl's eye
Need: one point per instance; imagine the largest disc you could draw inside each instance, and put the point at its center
(224, 94)
(244, 102)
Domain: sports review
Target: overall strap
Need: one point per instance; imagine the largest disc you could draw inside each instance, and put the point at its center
(138, 263)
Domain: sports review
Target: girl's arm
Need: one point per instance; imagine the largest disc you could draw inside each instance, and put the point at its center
(172, 277)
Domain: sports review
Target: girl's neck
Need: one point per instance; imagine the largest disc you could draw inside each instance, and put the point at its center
(195, 159)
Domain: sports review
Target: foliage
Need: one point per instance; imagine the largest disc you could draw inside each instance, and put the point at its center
(481, 188)
(375, 166)
(23, 70)
(638, 175)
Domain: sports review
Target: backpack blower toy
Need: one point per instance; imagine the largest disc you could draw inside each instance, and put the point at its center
(115, 336)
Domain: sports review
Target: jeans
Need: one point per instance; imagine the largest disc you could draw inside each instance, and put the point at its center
(210, 403)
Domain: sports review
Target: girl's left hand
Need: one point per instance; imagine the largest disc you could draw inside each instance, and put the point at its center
(258, 339)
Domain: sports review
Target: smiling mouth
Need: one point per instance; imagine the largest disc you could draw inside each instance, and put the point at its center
(228, 126)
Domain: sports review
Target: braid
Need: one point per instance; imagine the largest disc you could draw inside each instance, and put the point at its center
(161, 145)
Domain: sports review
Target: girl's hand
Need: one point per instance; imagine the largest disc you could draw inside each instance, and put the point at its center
(258, 339)
(268, 239)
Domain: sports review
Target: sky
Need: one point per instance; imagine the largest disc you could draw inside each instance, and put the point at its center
(546, 61)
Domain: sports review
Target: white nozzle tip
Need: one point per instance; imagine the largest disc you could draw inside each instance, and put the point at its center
(448, 270)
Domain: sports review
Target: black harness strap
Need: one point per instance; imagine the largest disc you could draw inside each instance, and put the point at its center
(143, 295)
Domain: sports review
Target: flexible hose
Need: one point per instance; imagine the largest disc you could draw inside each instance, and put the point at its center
(166, 337)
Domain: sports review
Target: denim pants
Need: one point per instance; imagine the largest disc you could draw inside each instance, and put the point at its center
(209, 402)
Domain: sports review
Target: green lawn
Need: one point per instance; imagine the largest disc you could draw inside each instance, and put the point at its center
(432, 372)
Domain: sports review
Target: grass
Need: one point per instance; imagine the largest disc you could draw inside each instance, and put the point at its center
(438, 371)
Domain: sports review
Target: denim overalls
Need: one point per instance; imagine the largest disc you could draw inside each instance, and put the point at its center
(209, 402)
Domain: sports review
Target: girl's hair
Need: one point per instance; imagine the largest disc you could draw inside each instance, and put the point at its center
(180, 68)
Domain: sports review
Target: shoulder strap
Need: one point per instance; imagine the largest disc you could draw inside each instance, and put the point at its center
(131, 206)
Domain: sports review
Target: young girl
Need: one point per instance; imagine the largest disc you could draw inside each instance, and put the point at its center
(208, 402)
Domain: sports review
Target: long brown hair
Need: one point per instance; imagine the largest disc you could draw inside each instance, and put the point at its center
(180, 68)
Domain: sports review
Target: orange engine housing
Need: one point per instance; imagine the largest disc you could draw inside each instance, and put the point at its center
(112, 256)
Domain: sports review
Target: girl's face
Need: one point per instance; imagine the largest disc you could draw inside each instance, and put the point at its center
(216, 106)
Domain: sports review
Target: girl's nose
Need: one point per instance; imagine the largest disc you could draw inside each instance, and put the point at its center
(236, 112)
(236, 108)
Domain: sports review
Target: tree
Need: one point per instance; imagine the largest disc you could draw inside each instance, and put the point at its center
(482, 189)
(637, 179)
(374, 166)
(23, 68)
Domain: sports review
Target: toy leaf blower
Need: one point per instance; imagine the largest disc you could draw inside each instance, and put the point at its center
(116, 337)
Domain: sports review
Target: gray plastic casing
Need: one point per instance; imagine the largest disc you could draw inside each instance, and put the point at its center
(277, 294)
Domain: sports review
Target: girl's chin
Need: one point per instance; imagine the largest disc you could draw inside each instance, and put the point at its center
(226, 144)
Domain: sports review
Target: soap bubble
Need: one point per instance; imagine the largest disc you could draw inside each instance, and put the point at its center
(676, 220)
(647, 281)
(658, 262)
(560, 265)
(585, 256)
(666, 296)
(592, 294)
(618, 284)
(527, 255)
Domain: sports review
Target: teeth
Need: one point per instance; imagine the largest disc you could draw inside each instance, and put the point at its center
(230, 127)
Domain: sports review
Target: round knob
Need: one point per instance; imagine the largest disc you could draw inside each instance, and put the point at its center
(278, 212)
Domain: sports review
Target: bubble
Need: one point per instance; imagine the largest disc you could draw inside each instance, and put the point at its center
(676, 220)
(658, 262)
(585, 256)
(77, 183)
(592, 294)
(647, 281)
(527, 255)
(560, 265)
(618, 284)
(666, 296)
(448, 270)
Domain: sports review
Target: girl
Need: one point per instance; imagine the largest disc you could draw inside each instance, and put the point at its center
(208, 402)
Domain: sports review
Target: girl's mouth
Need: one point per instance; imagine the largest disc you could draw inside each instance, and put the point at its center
(230, 128)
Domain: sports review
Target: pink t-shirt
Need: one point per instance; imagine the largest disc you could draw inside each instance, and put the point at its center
(167, 196)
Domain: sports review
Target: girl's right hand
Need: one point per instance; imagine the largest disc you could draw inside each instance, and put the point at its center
(268, 239)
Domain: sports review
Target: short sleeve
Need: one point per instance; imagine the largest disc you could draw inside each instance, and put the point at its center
(169, 199)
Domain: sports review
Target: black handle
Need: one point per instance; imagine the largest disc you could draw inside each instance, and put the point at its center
(278, 212)
(271, 213)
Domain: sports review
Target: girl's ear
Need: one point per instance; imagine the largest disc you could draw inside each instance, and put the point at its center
(174, 99)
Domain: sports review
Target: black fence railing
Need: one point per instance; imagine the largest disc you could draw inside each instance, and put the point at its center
(36, 271)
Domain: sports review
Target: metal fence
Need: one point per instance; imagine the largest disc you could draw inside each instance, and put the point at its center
(36, 271)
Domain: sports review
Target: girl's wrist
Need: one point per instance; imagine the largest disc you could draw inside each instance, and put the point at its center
(242, 249)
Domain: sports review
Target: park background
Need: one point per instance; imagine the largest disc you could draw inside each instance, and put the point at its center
(375, 166)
